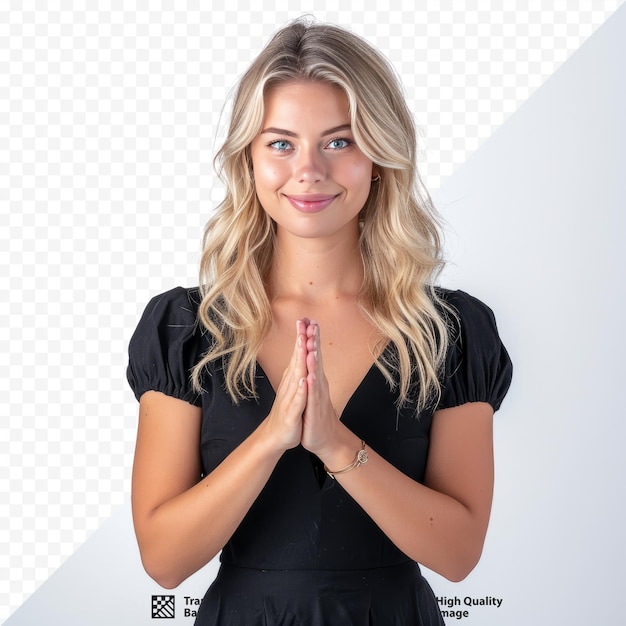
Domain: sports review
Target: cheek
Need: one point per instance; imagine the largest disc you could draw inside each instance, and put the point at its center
(359, 175)
(269, 174)
(360, 166)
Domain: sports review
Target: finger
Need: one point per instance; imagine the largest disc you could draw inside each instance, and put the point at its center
(297, 396)
(301, 350)
(313, 395)
(296, 368)
(316, 376)
(312, 361)
(314, 344)
(300, 345)
(311, 328)
(317, 383)
(311, 335)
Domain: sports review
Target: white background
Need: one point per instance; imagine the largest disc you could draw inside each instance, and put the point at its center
(108, 122)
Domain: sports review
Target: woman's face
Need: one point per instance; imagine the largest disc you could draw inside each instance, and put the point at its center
(310, 176)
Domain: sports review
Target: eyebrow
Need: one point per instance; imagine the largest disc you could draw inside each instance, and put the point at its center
(289, 133)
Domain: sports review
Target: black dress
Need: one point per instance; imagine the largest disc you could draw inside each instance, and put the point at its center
(306, 553)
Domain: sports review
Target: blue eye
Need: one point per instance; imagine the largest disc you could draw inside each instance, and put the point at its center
(280, 144)
(338, 144)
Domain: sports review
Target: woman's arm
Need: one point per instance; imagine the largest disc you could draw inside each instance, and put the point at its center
(441, 524)
(181, 522)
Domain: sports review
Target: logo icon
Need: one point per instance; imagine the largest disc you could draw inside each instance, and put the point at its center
(163, 607)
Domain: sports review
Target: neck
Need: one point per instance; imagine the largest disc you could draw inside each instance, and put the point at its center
(315, 269)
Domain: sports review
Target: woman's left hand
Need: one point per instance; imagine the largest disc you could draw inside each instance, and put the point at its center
(320, 421)
(440, 523)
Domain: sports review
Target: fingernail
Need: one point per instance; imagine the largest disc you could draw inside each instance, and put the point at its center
(315, 354)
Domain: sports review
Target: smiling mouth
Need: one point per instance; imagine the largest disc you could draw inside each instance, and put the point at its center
(311, 203)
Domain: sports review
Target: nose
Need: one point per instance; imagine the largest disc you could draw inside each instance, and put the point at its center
(309, 166)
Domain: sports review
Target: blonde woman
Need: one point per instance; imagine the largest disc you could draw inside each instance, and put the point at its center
(316, 410)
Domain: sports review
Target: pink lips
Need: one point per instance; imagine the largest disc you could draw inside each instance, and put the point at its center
(311, 202)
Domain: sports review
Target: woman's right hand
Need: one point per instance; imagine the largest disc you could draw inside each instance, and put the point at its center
(284, 422)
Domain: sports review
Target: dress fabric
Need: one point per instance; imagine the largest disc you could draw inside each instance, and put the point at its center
(306, 553)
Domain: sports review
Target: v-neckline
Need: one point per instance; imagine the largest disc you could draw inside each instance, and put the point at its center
(351, 397)
(318, 472)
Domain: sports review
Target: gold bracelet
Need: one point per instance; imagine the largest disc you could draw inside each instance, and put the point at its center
(361, 459)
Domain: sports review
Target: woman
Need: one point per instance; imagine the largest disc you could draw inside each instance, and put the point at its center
(316, 409)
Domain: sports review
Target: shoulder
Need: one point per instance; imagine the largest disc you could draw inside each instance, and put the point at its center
(478, 366)
(177, 303)
(166, 345)
(169, 318)
(468, 318)
(465, 308)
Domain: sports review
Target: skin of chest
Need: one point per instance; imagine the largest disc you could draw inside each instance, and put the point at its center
(347, 342)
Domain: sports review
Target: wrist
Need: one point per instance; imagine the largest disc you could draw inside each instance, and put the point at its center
(271, 443)
(360, 459)
(343, 453)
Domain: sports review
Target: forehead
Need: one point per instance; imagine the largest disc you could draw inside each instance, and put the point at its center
(306, 99)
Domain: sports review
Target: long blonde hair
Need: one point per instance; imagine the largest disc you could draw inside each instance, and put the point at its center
(399, 243)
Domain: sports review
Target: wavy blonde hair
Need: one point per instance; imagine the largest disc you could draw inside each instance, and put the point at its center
(399, 243)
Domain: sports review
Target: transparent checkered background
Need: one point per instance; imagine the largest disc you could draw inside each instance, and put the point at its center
(109, 115)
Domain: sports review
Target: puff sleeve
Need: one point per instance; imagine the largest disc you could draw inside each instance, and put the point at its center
(478, 367)
(165, 346)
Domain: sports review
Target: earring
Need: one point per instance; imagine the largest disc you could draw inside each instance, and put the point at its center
(376, 178)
